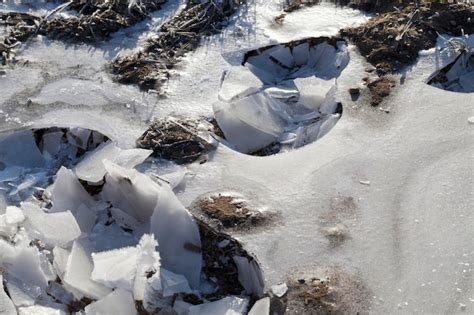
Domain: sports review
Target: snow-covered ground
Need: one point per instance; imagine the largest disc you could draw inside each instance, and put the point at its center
(399, 185)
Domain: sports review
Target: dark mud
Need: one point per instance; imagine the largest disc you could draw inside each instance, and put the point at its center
(380, 89)
(177, 140)
(391, 41)
(150, 67)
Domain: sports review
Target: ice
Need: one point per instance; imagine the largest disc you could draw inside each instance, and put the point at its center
(78, 271)
(148, 260)
(119, 302)
(173, 283)
(6, 229)
(53, 229)
(52, 142)
(91, 168)
(39, 310)
(22, 293)
(125, 220)
(178, 236)
(19, 148)
(116, 268)
(230, 305)
(78, 137)
(250, 276)
(67, 192)
(280, 289)
(14, 215)
(61, 257)
(170, 222)
(6, 305)
(86, 218)
(237, 82)
(261, 307)
(181, 307)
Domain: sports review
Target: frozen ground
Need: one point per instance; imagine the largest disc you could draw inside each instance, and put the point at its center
(400, 184)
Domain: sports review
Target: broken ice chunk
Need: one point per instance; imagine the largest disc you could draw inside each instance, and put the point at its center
(39, 310)
(181, 307)
(280, 289)
(67, 192)
(250, 275)
(119, 302)
(85, 218)
(238, 82)
(52, 142)
(148, 260)
(172, 225)
(79, 137)
(19, 148)
(115, 268)
(53, 229)
(261, 307)
(22, 293)
(25, 265)
(14, 215)
(61, 257)
(6, 305)
(125, 220)
(79, 269)
(6, 229)
(173, 283)
(92, 169)
(231, 305)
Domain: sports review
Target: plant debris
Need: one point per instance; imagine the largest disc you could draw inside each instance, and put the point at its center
(380, 89)
(391, 41)
(150, 67)
(182, 141)
(224, 211)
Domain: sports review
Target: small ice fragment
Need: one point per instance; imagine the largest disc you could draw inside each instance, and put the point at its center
(19, 148)
(119, 302)
(86, 218)
(365, 182)
(471, 120)
(250, 275)
(6, 305)
(58, 228)
(173, 283)
(115, 268)
(223, 243)
(39, 310)
(61, 257)
(14, 215)
(462, 307)
(79, 269)
(7, 230)
(67, 192)
(181, 307)
(231, 305)
(280, 289)
(261, 307)
(79, 137)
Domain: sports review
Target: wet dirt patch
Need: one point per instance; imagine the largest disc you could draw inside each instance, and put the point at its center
(380, 89)
(179, 140)
(330, 290)
(230, 212)
(391, 41)
(150, 67)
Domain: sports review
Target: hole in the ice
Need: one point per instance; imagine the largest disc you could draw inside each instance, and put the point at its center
(457, 76)
(30, 158)
(282, 98)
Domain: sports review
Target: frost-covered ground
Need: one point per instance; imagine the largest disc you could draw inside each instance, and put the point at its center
(398, 185)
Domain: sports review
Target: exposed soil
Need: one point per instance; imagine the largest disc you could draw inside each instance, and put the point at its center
(229, 212)
(380, 89)
(96, 21)
(218, 250)
(327, 291)
(175, 140)
(391, 41)
(150, 67)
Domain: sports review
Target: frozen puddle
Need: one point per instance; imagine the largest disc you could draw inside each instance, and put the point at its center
(283, 97)
(458, 75)
(82, 230)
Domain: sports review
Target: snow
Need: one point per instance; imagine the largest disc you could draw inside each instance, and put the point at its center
(261, 307)
(40, 310)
